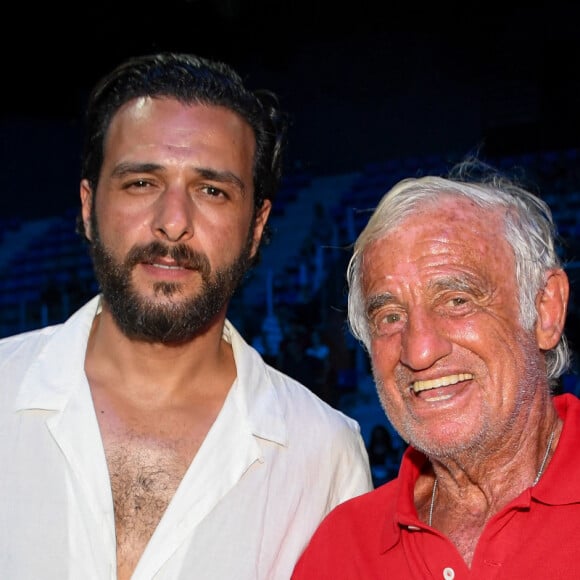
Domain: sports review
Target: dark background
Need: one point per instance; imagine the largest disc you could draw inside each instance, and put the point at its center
(364, 82)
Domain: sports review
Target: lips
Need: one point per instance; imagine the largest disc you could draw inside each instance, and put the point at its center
(420, 386)
(167, 266)
(159, 255)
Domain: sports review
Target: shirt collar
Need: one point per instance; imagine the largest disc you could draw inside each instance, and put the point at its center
(58, 370)
(552, 488)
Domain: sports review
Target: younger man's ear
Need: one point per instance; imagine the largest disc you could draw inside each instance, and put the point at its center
(86, 194)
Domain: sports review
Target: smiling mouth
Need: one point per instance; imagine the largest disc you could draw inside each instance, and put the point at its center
(420, 386)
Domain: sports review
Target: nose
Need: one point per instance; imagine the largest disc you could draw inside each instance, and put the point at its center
(173, 217)
(423, 341)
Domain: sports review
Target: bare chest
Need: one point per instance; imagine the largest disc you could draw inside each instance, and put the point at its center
(146, 466)
(144, 474)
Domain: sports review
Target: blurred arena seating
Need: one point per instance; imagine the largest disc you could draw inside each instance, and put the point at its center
(46, 272)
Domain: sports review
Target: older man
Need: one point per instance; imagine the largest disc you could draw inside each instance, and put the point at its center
(457, 292)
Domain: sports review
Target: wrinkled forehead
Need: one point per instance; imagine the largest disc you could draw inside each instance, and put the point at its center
(452, 207)
(450, 214)
(451, 231)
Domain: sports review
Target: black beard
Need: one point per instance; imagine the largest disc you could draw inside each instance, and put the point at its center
(170, 322)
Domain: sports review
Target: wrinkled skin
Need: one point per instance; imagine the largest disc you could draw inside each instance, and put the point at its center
(457, 375)
(444, 308)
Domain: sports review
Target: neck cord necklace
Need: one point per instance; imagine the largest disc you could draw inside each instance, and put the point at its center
(539, 474)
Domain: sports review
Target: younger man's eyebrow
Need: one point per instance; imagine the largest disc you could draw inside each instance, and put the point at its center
(129, 167)
(221, 176)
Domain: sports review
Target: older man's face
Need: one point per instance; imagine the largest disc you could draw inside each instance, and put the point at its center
(452, 363)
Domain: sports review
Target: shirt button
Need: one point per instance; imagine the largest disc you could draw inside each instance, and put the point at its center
(448, 573)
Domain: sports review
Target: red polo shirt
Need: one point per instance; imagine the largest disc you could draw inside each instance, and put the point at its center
(378, 534)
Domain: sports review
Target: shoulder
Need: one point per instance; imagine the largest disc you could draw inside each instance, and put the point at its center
(357, 519)
(30, 341)
(28, 345)
(298, 400)
(328, 442)
(298, 404)
(345, 544)
(25, 344)
(362, 508)
(17, 355)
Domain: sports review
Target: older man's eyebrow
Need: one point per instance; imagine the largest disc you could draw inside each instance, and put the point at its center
(377, 301)
(464, 283)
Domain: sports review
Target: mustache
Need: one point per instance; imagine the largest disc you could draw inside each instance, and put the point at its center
(182, 255)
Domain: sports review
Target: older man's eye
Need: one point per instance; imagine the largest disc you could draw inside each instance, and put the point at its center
(387, 323)
(459, 303)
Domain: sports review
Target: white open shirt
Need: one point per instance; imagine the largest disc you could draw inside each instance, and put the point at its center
(276, 460)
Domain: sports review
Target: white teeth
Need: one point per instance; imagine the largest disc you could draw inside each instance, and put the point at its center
(420, 386)
(165, 267)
